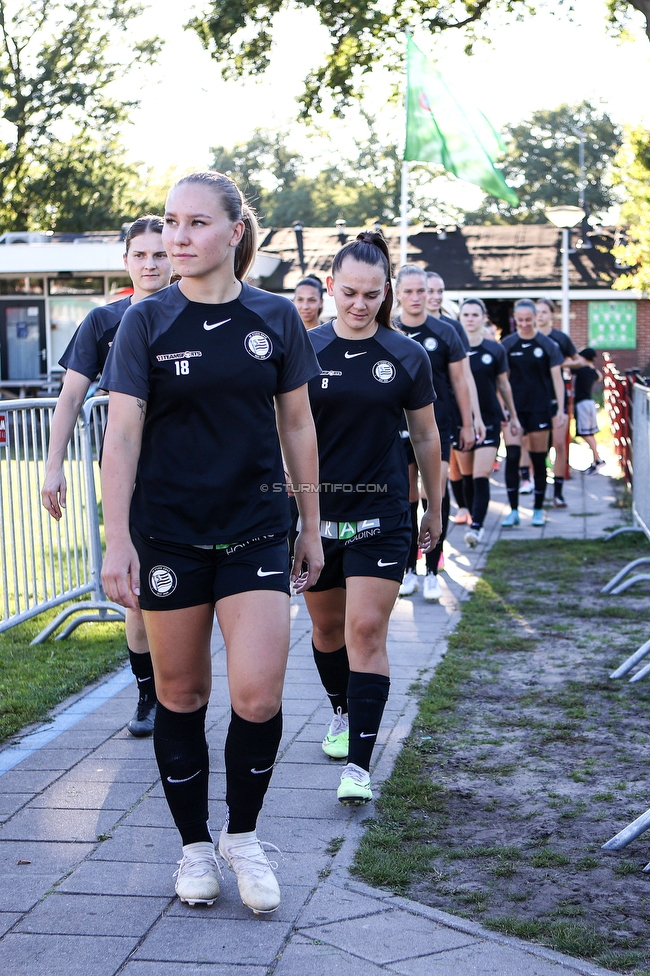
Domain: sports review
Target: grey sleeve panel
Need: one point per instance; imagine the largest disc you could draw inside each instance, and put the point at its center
(280, 316)
(321, 336)
(127, 366)
(82, 353)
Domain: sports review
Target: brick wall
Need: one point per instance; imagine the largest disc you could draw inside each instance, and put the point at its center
(624, 358)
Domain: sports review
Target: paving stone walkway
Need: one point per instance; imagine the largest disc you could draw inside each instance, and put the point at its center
(87, 847)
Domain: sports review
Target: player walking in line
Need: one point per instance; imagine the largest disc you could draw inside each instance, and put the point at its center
(370, 376)
(544, 317)
(489, 366)
(206, 381)
(535, 363)
(148, 267)
(447, 356)
(308, 299)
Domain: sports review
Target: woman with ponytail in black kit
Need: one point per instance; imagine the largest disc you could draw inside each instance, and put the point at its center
(370, 376)
(207, 380)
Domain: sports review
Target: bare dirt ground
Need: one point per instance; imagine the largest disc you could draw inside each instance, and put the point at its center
(542, 758)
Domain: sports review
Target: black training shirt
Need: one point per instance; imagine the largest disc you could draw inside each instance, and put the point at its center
(584, 379)
(87, 350)
(358, 402)
(564, 342)
(487, 361)
(443, 346)
(460, 331)
(210, 454)
(530, 362)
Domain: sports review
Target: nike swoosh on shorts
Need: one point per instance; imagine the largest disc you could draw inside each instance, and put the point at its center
(269, 572)
(186, 780)
(216, 325)
(381, 563)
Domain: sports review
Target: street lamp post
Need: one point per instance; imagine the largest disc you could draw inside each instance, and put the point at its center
(565, 218)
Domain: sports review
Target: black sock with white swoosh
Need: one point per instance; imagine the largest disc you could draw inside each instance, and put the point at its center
(251, 749)
(334, 671)
(367, 697)
(182, 754)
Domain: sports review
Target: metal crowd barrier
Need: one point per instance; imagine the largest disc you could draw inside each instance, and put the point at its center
(619, 583)
(44, 563)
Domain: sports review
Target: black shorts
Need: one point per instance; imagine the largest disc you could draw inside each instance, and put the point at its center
(492, 435)
(445, 447)
(381, 552)
(175, 576)
(536, 420)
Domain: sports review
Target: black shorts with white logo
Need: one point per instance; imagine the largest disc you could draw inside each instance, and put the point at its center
(492, 434)
(380, 552)
(174, 576)
(535, 420)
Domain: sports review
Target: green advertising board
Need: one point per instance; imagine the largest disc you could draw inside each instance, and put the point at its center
(612, 325)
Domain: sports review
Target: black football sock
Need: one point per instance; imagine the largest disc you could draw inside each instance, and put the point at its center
(558, 487)
(457, 490)
(524, 474)
(481, 501)
(538, 460)
(250, 753)
(182, 755)
(413, 551)
(334, 671)
(367, 697)
(513, 456)
(142, 669)
(433, 558)
(468, 490)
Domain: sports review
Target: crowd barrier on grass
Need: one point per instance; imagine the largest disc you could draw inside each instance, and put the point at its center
(44, 563)
(637, 412)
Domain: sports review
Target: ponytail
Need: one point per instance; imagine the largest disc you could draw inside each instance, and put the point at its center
(236, 208)
(370, 248)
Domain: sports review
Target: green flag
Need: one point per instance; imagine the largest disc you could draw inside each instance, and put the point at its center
(441, 130)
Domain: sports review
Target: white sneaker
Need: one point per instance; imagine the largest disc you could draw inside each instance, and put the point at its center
(197, 878)
(472, 537)
(432, 588)
(409, 584)
(258, 886)
(526, 487)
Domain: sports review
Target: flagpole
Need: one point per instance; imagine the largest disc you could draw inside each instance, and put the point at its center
(404, 196)
(404, 222)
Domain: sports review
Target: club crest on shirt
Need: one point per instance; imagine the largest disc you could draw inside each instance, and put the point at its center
(430, 344)
(162, 581)
(486, 358)
(258, 345)
(538, 352)
(384, 371)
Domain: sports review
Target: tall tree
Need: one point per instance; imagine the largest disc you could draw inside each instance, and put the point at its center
(542, 163)
(632, 175)
(238, 34)
(362, 187)
(57, 62)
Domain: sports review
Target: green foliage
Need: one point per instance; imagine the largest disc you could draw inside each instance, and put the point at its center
(632, 175)
(239, 35)
(273, 176)
(61, 162)
(542, 162)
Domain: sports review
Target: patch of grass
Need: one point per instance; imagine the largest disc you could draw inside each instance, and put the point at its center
(546, 858)
(35, 679)
(334, 845)
(587, 864)
(625, 867)
(572, 938)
